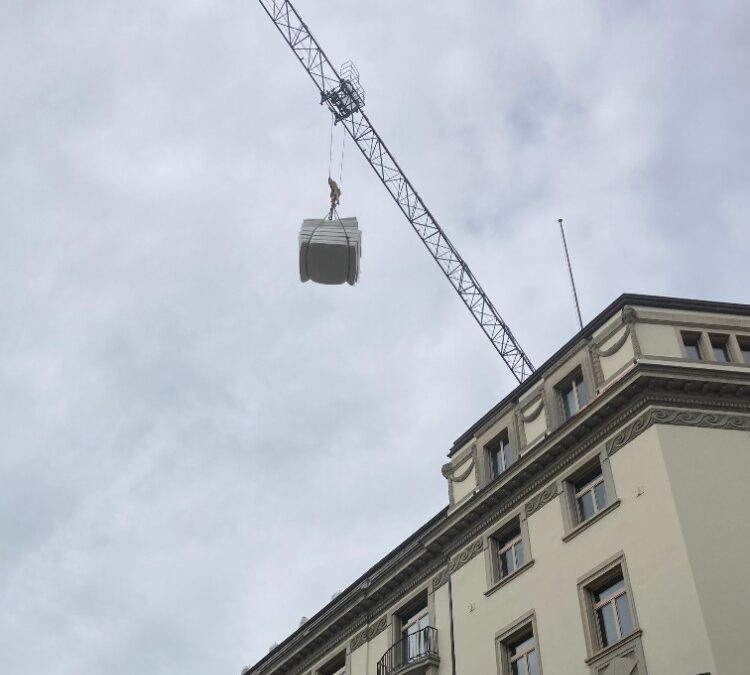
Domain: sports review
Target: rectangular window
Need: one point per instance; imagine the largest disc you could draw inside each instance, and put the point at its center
(608, 610)
(413, 634)
(720, 348)
(523, 656)
(518, 651)
(500, 454)
(574, 395)
(609, 618)
(744, 344)
(510, 555)
(691, 342)
(590, 493)
(611, 605)
(336, 666)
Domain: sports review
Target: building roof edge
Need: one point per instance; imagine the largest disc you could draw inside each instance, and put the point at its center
(664, 302)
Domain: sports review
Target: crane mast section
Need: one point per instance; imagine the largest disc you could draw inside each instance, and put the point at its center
(346, 107)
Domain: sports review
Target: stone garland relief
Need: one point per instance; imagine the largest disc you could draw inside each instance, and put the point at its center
(368, 633)
(530, 417)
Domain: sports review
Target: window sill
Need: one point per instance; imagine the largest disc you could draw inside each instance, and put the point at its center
(602, 653)
(588, 523)
(509, 578)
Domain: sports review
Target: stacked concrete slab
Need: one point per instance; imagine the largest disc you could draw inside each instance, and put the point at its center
(329, 251)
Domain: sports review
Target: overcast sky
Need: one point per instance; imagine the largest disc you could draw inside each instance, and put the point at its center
(197, 449)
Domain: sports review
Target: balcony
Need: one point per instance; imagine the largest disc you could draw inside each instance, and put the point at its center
(414, 654)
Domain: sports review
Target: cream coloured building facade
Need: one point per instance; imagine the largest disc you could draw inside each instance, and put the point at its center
(597, 521)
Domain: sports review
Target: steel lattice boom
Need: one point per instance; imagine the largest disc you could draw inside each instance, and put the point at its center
(345, 99)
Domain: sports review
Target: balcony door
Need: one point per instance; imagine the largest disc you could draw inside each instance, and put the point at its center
(414, 636)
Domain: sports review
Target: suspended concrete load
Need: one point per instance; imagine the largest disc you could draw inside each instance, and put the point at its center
(329, 251)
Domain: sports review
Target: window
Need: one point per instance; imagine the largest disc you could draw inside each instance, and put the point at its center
(509, 551)
(574, 395)
(523, 656)
(611, 605)
(414, 635)
(609, 618)
(691, 342)
(590, 493)
(720, 348)
(608, 611)
(517, 648)
(744, 344)
(500, 454)
(336, 666)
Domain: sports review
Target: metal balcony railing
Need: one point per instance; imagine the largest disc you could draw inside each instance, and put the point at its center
(412, 648)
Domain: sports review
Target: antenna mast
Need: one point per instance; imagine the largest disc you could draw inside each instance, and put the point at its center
(570, 271)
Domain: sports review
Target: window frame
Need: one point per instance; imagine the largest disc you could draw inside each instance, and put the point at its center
(409, 611)
(501, 539)
(572, 522)
(743, 349)
(574, 381)
(326, 668)
(503, 441)
(720, 341)
(508, 636)
(691, 338)
(587, 585)
(592, 481)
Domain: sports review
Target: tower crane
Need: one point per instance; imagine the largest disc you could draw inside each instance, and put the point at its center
(342, 93)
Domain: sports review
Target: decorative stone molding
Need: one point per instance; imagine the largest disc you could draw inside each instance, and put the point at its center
(617, 346)
(630, 316)
(474, 549)
(534, 413)
(690, 418)
(369, 633)
(539, 500)
(449, 471)
(596, 365)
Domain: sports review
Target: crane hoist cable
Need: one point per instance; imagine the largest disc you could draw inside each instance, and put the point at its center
(343, 95)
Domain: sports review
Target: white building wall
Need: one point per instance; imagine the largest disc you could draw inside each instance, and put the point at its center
(709, 474)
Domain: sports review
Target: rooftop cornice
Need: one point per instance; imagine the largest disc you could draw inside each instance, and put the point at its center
(586, 333)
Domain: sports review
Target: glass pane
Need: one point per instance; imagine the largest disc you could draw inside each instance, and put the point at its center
(519, 554)
(507, 455)
(506, 562)
(720, 352)
(588, 478)
(533, 665)
(586, 506)
(495, 459)
(623, 612)
(518, 667)
(601, 496)
(691, 347)
(606, 617)
(583, 397)
(610, 590)
(522, 646)
(569, 402)
(745, 349)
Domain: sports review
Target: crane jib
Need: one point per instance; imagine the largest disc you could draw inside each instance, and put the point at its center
(344, 97)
